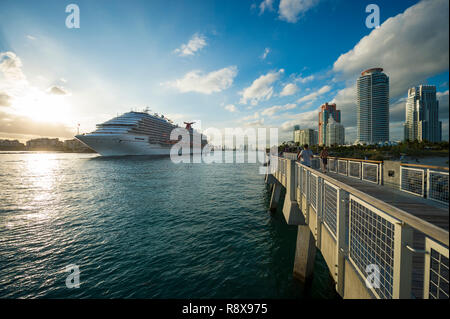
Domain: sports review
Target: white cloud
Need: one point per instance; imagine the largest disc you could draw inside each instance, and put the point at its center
(289, 89)
(411, 47)
(257, 123)
(290, 10)
(312, 96)
(441, 95)
(266, 52)
(274, 109)
(57, 90)
(255, 116)
(266, 4)
(305, 79)
(25, 108)
(11, 66)
(305, 120)
(261, 89)
(231, 108)
(30, 37)
(252, 120)
(197, 81)
(196, 43)
(4, 99)
(12, 79)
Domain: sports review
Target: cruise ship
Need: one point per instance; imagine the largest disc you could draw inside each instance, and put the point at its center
(138, 133)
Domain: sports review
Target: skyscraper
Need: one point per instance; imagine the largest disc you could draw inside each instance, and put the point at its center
(306, 136)
(327, 110)
(422, 115)
(335, 133)
(373, 106)
(296, 129)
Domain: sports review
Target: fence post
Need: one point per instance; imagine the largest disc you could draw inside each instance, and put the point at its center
(319, 212)
(341, 247)
(403, 236)
(299, 177)
(291, 210)
(307, 196)
(380, 173)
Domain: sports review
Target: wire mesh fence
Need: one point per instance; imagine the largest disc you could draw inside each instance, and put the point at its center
(371, 235)
(354, 169)
(437, 186)
(370, 172)
(436, 271)
(330, 204)
(412, 180)
(313, 184)
(342, 167)
(372, 244)
(332, 165)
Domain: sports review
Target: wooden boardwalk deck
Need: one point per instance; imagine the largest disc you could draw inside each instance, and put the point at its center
(427, 210)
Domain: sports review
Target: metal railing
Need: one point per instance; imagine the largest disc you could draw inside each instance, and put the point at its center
(437, 186)
(330, 205)
(354, 169)
(371, 233)
(412, 180)
(315, 162)
(430, 182)
(370, 172)
(426, 181)
(313, 190)
(342, 167)
(372, 243)
(332, 165)
(436, 271)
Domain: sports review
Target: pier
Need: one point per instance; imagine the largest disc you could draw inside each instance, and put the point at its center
(382, 227)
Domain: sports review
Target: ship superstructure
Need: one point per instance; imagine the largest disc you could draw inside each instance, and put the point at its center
(136, 133)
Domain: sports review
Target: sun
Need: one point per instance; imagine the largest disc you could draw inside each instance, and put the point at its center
(42, 107)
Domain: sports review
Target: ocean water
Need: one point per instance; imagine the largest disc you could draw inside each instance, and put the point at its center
(141, 227)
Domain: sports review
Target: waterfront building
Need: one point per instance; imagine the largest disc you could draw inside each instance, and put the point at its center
(296, 129)
(11, 143)
(373, 106)
(422, 115)
(335, 133)
(45, 143)
(327, 111)
(306, 136)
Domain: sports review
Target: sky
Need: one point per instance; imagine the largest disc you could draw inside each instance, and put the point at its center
(224, 64)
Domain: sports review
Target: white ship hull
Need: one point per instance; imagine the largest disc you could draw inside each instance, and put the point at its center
(125, 144)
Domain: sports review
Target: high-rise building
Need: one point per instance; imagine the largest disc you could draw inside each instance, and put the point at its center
(296, 128)
(327, 111)
(306, 136)
(373, 107)
(335, 133)
(422, 115)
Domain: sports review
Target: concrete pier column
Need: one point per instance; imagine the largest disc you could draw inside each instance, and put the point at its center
(305, 254)
(276, 195)
(291, 211)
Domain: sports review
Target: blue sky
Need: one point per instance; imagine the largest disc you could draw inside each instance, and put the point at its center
(225, 63)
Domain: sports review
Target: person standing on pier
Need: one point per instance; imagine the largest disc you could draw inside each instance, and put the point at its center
(324, 159)
(306, 156)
